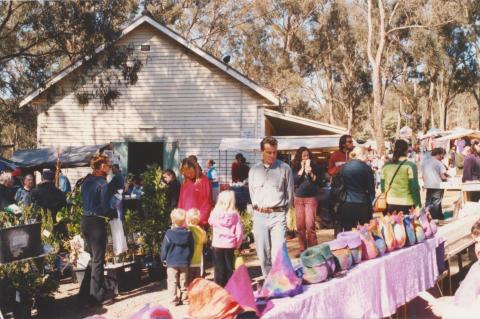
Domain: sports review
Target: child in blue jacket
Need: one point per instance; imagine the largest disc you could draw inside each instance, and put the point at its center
(176, 254)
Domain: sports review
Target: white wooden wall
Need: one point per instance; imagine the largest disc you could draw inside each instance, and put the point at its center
(178, 97)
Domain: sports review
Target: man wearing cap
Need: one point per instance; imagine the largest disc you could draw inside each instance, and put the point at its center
(48, 197)
(271, 191)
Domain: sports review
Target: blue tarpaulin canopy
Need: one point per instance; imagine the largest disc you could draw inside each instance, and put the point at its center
(70, 156)
(6, 165)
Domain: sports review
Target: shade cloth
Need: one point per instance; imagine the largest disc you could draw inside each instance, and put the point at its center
(285, 143)
(373, 289)
(70, 156)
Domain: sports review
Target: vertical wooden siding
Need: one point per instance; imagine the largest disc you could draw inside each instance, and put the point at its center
(178, 97)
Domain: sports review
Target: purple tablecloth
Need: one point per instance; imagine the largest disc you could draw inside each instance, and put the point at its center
(372, 289)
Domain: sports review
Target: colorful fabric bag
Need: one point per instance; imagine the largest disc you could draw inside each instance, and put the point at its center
(423, 220)
(410, 229)
(419, 233)
(399, 230)
(378, 237)
(207, 300)
(354, 243)
(318, 263)
(388, 235)
(369, 250)
(341, 252)
(281, 281)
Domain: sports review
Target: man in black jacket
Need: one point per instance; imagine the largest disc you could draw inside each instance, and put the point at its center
(49, 198)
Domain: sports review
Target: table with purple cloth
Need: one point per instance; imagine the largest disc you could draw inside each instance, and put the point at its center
(372, 289)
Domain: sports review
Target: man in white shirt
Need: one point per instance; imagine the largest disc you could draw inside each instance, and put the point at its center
(271, 190)
(434, 172)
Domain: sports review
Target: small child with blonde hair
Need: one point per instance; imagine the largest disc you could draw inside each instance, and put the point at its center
(227, 236)
(176, 254)
(199, 239)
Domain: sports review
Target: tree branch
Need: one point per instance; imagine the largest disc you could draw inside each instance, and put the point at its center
(393, 13)
(370, 33)
(419, 26)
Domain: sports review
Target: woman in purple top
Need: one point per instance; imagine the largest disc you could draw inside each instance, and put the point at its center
(471, 165)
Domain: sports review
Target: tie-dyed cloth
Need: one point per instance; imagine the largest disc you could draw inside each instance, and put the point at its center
(281, 281)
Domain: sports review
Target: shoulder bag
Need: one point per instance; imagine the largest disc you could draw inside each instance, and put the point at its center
(380, 203)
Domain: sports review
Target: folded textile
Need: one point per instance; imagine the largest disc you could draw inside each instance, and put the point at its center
(239, 286)
(281, 281)
(207, 300)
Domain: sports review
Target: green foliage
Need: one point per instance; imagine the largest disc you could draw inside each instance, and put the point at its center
(247, 223)
(26, 278)
(29, 214)
(154, 220)
(72, 214)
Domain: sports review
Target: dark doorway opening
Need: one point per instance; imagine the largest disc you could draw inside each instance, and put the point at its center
(141, 154)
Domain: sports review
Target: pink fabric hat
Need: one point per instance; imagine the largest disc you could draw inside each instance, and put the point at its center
(239, 286)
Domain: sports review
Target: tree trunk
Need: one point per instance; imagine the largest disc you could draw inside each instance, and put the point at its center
(375, 60)
(350, 120)
(331, 119)
(477, 99)
(426, 116)
(378, 110)
(399, 120)
(442, 109)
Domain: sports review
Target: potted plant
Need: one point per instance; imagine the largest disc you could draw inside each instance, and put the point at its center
(24, 283)
(153, 222)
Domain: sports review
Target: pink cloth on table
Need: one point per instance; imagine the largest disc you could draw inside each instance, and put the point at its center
(373, 289)
(197, 195)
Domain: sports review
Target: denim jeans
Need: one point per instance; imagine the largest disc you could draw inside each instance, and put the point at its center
(434, 202)
(269, 232)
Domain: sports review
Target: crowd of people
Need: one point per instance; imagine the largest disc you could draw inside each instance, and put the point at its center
(197, 205)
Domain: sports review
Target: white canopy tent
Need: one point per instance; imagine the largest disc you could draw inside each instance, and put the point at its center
(285, 143)
(459, 133)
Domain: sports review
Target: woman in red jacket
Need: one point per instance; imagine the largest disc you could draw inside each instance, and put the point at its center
(196, 191)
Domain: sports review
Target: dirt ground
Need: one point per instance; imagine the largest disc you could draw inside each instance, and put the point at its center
(66, 304)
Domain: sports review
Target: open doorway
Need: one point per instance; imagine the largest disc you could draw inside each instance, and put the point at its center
(141, 154)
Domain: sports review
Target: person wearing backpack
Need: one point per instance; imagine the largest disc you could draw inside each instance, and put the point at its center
(359, 186)
(400, 181)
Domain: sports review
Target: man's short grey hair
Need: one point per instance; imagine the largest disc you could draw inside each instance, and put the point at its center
(5, 177)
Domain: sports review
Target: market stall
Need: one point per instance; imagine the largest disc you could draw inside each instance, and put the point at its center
(71, 156)
(321, 146)
(373, 289)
